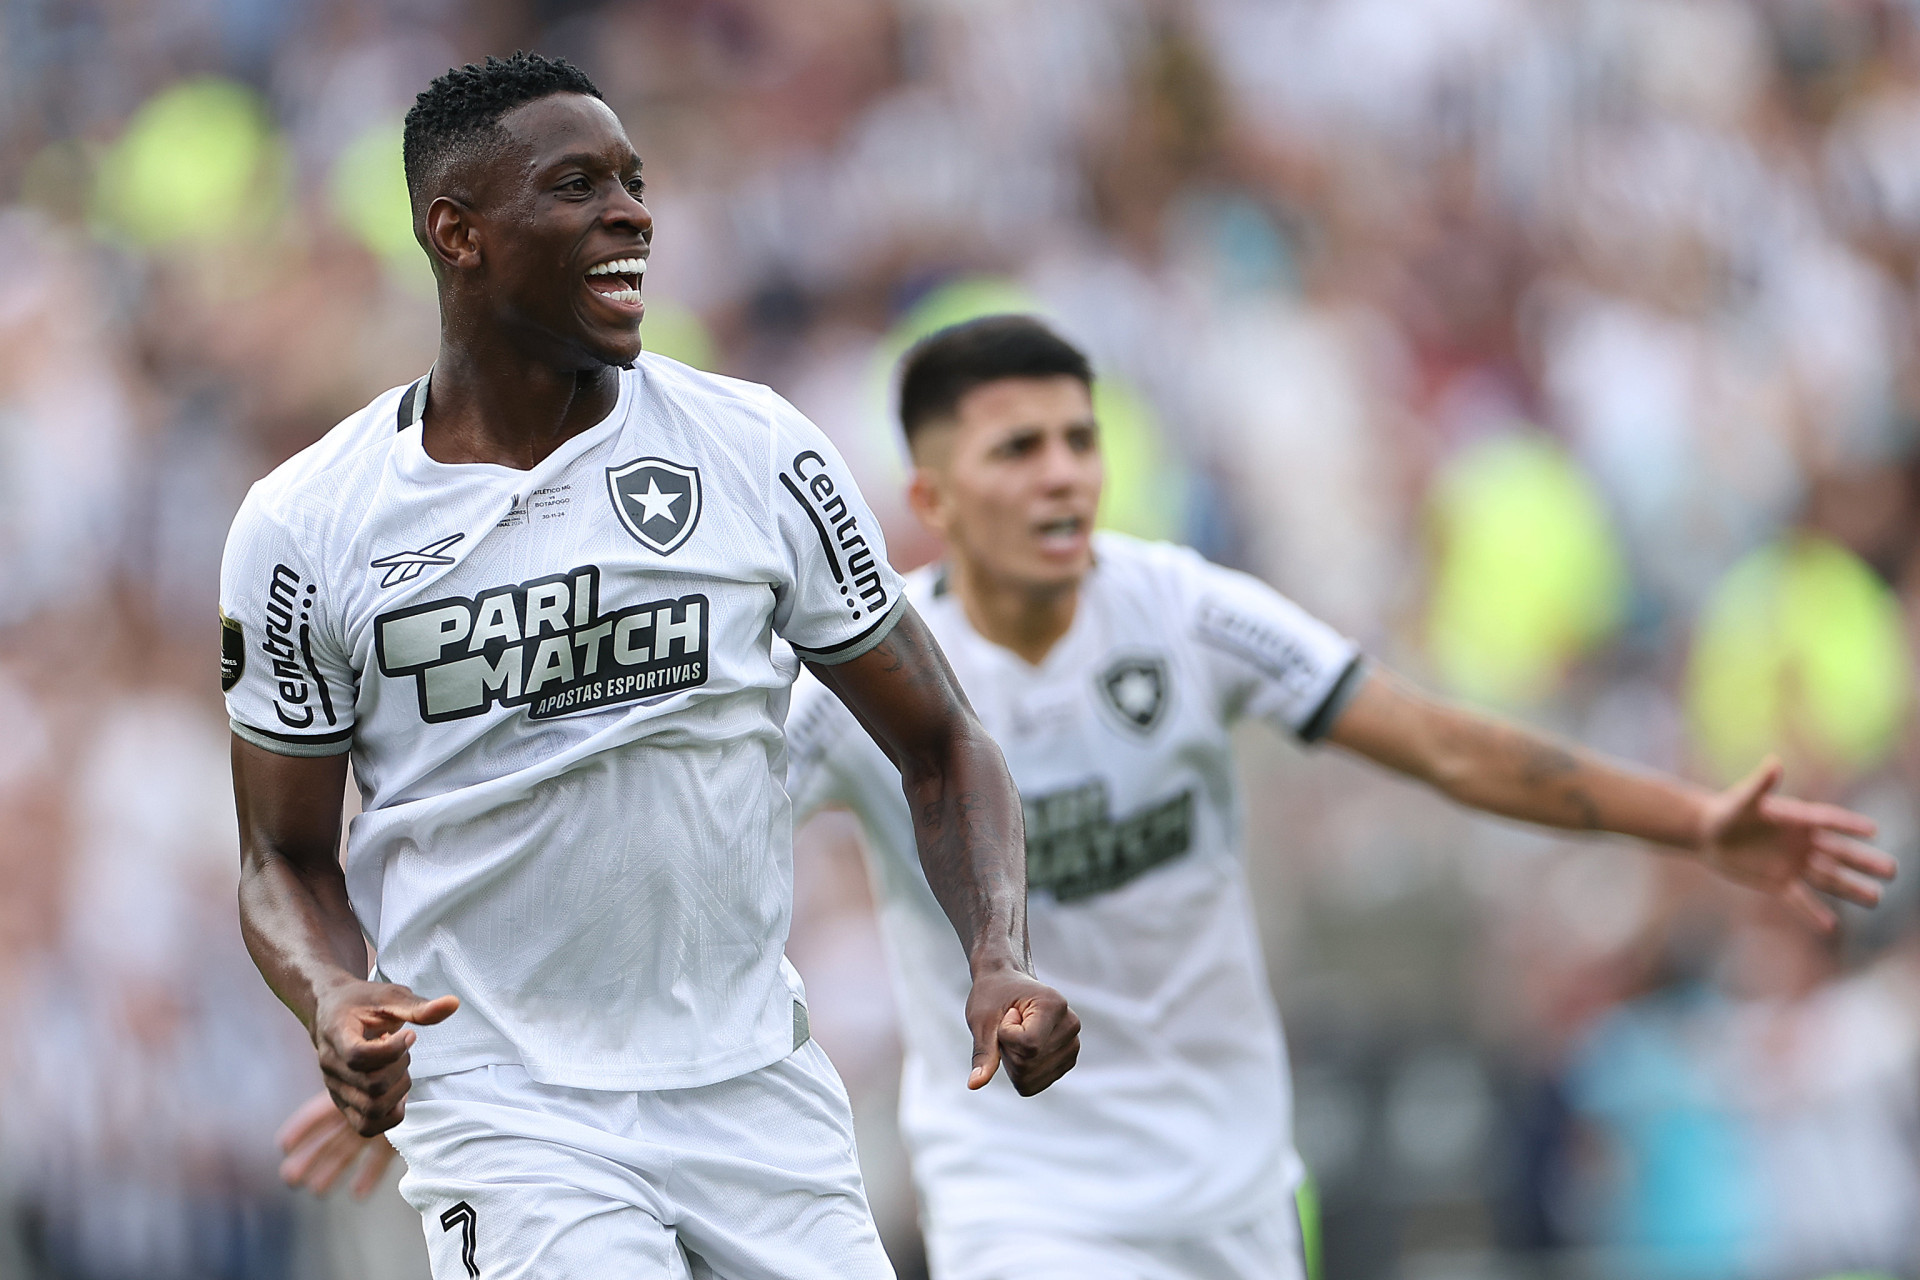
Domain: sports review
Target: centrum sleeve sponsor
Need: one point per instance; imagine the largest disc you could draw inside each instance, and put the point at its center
(300, 690)
(545, 645)
(848, 555)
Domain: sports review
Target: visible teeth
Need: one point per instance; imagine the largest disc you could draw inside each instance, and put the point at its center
(621, 267)
(623, 295)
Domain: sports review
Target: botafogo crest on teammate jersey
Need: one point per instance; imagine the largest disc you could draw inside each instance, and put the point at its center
(1136, 689)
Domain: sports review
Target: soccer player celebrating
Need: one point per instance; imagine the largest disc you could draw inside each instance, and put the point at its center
(551, 599)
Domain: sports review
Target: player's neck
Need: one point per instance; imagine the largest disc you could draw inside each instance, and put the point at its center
(1017, 616)
(490, 403)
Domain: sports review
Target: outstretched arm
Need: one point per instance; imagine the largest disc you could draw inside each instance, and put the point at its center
(967, 823)
(1773, 843)
(302, 934)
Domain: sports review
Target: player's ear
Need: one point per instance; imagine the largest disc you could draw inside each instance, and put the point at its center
(453, 233)
(927, 496)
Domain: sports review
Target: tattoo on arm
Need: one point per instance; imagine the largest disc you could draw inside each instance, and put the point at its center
(1545, 765)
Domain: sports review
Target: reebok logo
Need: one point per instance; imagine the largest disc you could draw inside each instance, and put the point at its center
(405, 566)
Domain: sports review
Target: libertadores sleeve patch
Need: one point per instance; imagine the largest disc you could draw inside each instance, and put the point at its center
(233, 652)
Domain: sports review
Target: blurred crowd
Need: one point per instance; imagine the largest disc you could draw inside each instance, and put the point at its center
(1562, 351)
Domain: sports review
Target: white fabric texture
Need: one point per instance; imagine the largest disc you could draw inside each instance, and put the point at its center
(564, 699)
(1177, 1117)
(1266, 1247)
(754, 1178)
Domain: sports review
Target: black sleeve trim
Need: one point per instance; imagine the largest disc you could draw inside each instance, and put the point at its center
(863, 643)
(296, 744)
(1321, 722)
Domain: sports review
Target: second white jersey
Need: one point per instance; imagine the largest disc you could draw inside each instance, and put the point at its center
(1177, 1116)
(564, 696)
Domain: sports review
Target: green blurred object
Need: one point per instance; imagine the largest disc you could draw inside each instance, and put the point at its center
(678, 333)
(198, 161)
(1306, 1203)
(1147, 488)
(1146, 491)
(368, 192)
(1801, 648)
(1529, 574)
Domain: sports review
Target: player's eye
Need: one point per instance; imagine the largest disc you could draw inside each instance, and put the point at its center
(1082, 439)
(1019, 446)
(638, 188)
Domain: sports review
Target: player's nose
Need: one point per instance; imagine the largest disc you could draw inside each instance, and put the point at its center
(626, 212)
(1061, 467)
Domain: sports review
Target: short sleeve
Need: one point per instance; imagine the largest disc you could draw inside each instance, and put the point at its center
(1270, 658)
(289, 688)
(817, 725)
(841, 597)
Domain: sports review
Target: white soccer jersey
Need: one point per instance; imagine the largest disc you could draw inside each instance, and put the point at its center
(1177, 1117)
(564, 699)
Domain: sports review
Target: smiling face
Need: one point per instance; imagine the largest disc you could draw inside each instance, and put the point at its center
(552, 242)
(1012, 480)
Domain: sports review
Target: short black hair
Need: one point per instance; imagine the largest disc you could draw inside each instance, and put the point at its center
(942, 367)
(463, 107)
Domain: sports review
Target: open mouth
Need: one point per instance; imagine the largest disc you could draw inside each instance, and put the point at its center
(1063, 533)
(618, 281)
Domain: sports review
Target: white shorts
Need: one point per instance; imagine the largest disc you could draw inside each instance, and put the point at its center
(1267, 1248)
(753, 1178)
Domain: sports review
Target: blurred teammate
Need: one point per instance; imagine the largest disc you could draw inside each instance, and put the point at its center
(536, 595)
(1111, 670)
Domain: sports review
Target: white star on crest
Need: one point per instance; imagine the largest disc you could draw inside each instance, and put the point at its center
(654, 505)
(1136, 692)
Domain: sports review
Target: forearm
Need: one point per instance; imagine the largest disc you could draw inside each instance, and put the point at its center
(972, 841)
(1503, 768)
(966, 810)
(300, 929)
(1517, 773)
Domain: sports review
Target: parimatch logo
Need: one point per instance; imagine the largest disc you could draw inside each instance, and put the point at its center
(543, 645)
(1076, 848)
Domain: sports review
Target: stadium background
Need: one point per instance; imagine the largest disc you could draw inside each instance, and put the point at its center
(1561, 350)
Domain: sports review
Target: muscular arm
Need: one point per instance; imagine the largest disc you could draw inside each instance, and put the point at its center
(294, 913)
(302, 934)
(1770, 842)
(972, 841)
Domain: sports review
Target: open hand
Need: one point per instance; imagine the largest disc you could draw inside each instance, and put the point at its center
(1017, 1017)
(1790, 847)
(360, 1030)
(320, 1146)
